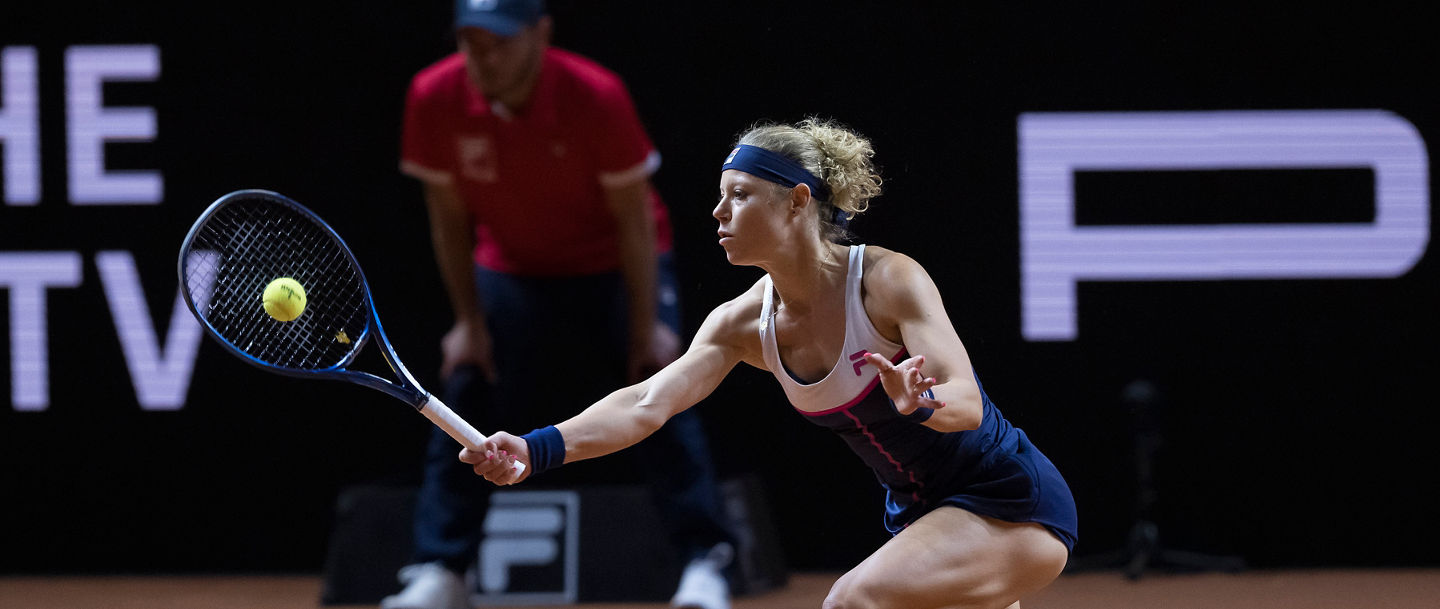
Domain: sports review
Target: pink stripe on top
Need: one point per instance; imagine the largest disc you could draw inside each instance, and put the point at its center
(888, 457)
(855, 400)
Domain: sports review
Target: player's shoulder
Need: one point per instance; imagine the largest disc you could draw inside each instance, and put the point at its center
(885, 262)
(737, 320)
(743, 309)
(890, 275)
(735, 325)
(749, 302)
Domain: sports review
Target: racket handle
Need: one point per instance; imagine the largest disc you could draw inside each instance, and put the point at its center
(456, 427)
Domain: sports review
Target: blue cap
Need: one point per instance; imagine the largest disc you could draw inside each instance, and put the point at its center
(503, 17)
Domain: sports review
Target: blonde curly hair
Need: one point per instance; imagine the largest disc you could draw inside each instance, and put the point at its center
(836, 154)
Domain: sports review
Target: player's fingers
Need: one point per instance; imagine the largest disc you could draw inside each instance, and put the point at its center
(489, 459)
(497, 477)
(485, 469)
(926, 397)
(498, 469)
(502, 470)
(925, 384)
(931, 403)
(515, 474)
(912, 363)
(472, 457)
(878, 361)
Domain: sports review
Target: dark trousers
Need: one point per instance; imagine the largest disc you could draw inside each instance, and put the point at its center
(560, 345)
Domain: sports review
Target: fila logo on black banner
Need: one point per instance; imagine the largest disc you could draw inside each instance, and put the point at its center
(530, 554)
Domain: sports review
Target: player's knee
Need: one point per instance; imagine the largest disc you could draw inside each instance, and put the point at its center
(848, 593)
(853, 592)
(981, 597)
(1046, 561)
(847, 600)
(869, 597)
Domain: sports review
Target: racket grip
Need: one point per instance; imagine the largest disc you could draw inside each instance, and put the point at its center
(456, 427)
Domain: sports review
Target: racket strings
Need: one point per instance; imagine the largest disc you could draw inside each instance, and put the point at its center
(255, 240)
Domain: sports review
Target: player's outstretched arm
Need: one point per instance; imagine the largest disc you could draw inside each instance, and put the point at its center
(627, 415)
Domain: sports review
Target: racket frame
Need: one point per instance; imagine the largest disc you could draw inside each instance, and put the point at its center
(407, 389)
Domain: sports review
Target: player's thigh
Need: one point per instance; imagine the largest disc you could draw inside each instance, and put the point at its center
(953, 558)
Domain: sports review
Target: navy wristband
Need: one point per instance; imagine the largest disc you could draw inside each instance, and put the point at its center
(547, 449)
(922, 414)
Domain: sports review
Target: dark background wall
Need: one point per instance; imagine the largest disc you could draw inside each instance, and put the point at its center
(1299, 413)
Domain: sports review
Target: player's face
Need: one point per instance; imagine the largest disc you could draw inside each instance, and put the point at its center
(504, 67)
(750, 215)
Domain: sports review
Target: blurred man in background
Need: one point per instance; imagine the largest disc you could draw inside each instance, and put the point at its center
(550, 240)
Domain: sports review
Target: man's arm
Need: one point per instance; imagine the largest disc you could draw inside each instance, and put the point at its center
(452, 235)
(635, 226)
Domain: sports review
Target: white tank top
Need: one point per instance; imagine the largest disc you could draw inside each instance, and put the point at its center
(851, 378)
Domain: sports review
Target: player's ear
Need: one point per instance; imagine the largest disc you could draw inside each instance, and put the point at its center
(800, 198)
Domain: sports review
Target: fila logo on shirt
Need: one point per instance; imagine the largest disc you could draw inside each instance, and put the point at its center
(857, 359)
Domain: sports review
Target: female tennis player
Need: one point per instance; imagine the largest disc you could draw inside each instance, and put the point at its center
(859, 340)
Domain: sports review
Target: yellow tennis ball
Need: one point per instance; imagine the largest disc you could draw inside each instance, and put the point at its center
(284, 299)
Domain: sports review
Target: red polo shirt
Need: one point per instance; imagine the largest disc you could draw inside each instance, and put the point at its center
(534, 181)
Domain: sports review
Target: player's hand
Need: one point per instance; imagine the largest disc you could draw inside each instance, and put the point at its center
(660, 348)
(496, 462)
(904, 383)
(467, 342)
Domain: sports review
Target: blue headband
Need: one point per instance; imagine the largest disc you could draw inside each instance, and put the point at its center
(773, 167)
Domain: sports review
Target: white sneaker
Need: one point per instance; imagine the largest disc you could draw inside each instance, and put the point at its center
(703, 585)
(428, 586)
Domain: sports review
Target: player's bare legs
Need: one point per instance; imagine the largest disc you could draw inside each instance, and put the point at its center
(951, 558)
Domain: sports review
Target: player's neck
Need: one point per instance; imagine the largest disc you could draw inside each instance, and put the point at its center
(816, 273)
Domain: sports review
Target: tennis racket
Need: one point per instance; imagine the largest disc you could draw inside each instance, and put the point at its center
(248, 238)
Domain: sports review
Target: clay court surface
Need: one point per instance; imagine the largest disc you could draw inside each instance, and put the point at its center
(1317, 589)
